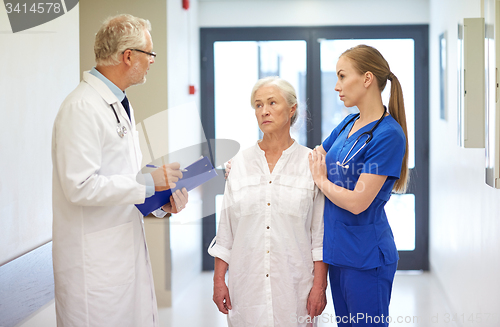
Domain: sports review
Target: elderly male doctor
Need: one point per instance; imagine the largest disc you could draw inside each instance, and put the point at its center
(102, 270)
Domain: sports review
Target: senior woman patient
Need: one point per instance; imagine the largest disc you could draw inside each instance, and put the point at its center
(270, 234)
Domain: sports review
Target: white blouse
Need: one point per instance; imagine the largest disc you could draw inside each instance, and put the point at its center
(270, 233)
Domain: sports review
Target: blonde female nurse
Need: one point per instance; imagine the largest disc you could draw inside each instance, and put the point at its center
(270, 234)
(357, 167)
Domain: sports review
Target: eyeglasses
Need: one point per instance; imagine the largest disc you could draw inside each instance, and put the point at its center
(152, 54)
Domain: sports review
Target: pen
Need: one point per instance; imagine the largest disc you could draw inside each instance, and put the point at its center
(154, 166)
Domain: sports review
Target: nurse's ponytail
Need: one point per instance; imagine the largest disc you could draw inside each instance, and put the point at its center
(397, 111)
(368, 59)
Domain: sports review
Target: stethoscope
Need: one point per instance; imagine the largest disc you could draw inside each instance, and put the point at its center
(344, 163)
(120, 129)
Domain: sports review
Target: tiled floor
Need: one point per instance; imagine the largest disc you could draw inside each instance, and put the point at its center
(417, 300)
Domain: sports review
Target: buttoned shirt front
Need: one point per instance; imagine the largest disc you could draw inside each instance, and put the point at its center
(270, 233)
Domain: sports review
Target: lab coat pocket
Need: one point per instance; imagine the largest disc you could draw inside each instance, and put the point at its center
(356, 246)
(296, 195)
(246, 194)
(109, 257)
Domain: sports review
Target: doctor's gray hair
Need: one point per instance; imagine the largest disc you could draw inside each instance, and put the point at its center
(118, 34)
(286, 89)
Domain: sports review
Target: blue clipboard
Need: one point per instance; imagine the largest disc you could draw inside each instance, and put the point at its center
(197, 173)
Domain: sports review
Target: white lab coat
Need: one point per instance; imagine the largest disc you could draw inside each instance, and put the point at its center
(102, 270)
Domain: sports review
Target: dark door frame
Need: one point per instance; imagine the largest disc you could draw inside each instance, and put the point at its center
(409, 260)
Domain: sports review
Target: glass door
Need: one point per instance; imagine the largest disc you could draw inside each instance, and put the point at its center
(237, 66)
(234, 58)
(400, 54)
(406, 49)
(231, 64)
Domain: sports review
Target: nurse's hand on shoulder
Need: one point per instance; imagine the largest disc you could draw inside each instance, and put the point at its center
(178, 201)
(317, 165)
(166, 176)
(316, 302)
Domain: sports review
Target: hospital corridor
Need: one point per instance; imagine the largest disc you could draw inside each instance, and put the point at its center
(417, 300)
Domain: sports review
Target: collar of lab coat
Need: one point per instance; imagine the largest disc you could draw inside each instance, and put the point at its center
(100, 87)
(108, 96)
(120, 95)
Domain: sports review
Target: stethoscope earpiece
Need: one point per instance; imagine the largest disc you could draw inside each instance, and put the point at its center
(346, 166)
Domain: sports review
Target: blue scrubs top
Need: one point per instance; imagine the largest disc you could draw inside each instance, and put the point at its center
(363, 241)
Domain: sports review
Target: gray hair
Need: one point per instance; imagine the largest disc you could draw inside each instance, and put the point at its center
(286, 89)
(118, 34)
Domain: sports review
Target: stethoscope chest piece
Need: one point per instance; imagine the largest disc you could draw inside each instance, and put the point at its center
(121, 130)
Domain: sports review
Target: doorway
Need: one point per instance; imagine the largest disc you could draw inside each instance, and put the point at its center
(234, 58)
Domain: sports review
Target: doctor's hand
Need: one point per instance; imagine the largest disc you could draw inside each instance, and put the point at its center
(166, 176)
(317, 165)
(178, 201)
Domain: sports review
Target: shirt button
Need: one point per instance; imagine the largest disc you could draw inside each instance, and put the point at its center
(268, 204)
(267, 275)
(267, 251)
(267, 227)
(270, 182)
